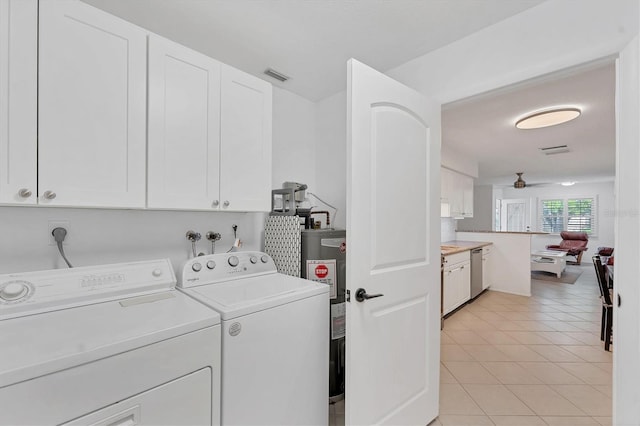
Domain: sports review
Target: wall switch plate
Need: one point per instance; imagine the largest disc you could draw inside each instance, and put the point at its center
(53, 224)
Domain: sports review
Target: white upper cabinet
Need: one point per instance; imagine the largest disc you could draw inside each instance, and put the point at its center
(184, 128)
(18, 100)
(456, 197)
(245, 145)
(92, 107)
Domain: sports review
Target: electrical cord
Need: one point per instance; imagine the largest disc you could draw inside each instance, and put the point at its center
(335, 209)
(59, 235)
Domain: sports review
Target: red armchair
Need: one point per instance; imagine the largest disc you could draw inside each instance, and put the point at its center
(574, 243)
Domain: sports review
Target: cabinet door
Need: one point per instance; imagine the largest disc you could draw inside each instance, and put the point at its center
(466, 187)
(184, 127)
(456, 199)
(449, 292)
(445, 192)
(92, 107)
(18, 100)
(465, 283)
(245, 146)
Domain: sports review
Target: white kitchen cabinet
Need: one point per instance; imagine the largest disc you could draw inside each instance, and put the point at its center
(456, 194)
(245, 143)
(184, 128)
(92, 107)
(18, 101)
(487, 267)
(456, 285)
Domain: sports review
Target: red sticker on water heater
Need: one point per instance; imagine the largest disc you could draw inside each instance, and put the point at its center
(321, 271)
(343, 247)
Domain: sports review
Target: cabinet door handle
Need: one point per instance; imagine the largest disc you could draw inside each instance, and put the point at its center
(24, 193)
(216, 203)
(49, 195)
(226, 203)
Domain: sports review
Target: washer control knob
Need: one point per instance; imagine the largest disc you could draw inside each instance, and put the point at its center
(196, 267)
(157, 272)
(13, 291)
(233, 261)
(211, 264)
(264, 258)
(253, 259)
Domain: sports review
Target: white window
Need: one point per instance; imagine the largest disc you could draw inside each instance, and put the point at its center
(568, 214)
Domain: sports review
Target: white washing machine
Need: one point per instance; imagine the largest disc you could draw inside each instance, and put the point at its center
(106, 345)
(275, 338)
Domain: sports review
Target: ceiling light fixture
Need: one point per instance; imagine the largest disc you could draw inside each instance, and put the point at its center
(568, 183)
(548, 118)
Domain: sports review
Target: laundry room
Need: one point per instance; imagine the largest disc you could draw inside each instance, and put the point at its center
(147, 146)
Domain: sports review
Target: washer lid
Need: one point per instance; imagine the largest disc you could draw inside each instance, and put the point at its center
(40, 344)
(248, 295)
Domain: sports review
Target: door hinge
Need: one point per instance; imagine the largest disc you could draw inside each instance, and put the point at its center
(348, 295)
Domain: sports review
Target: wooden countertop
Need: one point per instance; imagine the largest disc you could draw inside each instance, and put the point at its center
(458, 246)
(509, 232)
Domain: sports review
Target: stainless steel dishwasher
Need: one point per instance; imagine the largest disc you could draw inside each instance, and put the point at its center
(476, 272)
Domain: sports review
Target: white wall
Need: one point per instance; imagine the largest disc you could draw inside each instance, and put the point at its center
(331, 154)
(604, 191)
(106, 236)
(294, 139)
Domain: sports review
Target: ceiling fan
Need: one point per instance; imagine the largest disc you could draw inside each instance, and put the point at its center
(520, 183)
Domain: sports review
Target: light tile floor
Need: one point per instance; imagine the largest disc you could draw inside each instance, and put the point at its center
(519, 361)
(510, 360)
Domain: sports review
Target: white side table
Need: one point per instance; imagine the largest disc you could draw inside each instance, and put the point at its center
(549, 261)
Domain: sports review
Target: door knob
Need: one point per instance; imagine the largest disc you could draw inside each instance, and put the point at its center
(361, 295)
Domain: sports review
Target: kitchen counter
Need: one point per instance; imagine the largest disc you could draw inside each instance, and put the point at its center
(509, 232)
(458, 246)
(511, 257)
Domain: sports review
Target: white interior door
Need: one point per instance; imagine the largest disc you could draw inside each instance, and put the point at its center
(393, 237)
(626, 317)
(514, 215)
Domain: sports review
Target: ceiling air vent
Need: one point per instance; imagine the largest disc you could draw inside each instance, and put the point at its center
(553, 150)
(275, 74)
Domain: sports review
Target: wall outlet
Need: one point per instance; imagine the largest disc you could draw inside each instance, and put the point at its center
(53, 224)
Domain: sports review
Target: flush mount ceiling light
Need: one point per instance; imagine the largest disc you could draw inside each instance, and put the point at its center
(567, 183)
(547, 118)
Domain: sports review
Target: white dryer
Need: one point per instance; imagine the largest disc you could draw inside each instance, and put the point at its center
(275, 338)
(106, 345)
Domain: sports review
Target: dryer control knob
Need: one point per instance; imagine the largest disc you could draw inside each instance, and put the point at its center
(233, 261)
(196, 267)
(253, 259)
(264, 258)
(211, 264)
(13, 291)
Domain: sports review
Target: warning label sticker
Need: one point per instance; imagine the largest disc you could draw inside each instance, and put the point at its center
(323, 271)
(338, 320)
